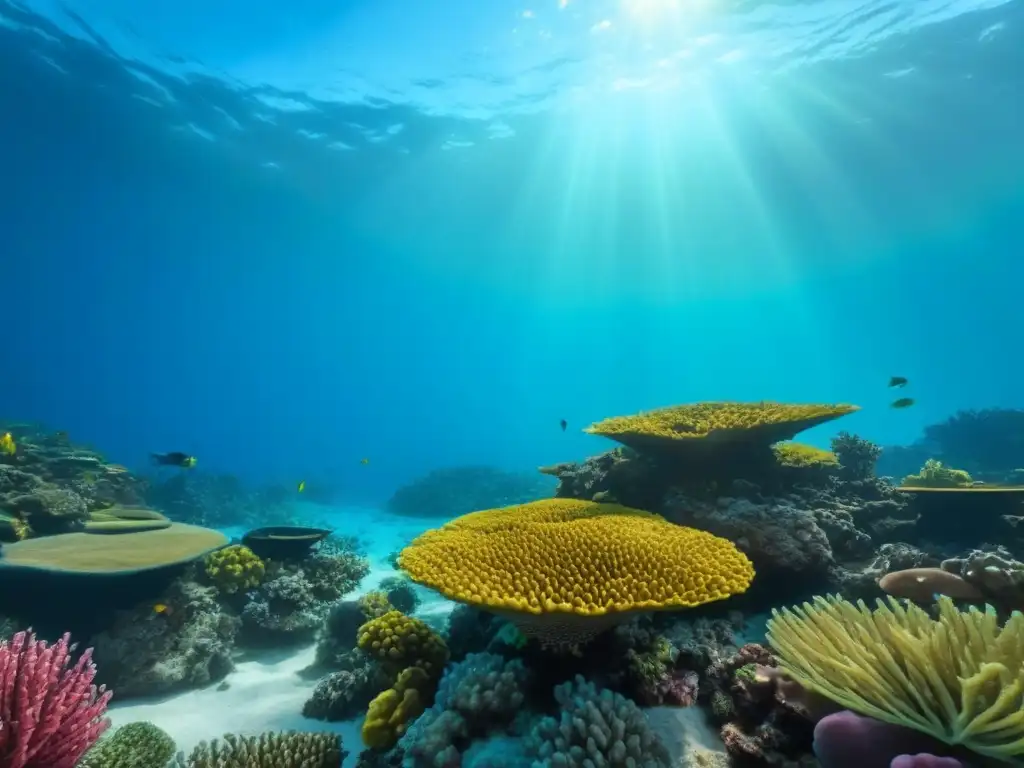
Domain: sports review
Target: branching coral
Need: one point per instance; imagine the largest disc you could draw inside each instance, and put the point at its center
(959, 678)
(477, 698)
(50, 711)
(234, 569)
(857, 456)
(564, 569)
(289, 749)
(596, 727)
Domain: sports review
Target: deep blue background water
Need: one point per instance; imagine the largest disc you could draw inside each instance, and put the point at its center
(285, 237)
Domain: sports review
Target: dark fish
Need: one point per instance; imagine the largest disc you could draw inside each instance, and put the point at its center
(174, 459)
(897, 381)
(563, 423)
(903, 402)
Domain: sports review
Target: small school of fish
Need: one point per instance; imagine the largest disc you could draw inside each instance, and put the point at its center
(899, 382)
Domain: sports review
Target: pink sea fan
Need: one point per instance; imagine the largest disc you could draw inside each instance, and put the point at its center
(49, 714)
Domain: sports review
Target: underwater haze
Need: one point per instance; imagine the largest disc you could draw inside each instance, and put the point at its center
(364, 240)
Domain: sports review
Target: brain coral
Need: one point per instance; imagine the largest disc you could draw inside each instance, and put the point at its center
(563, 560)
(716, 422)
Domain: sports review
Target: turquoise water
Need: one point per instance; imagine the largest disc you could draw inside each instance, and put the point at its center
(287, 237)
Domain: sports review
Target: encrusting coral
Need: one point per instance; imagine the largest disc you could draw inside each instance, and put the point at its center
(564, 569)
(790, 454)
(289, 749)
(234, 569)
(135, 745)
(958, 678)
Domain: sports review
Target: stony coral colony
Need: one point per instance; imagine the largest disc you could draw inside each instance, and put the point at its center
(575, 612)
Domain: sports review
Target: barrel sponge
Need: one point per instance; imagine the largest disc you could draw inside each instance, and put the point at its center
(400, 641)
(235, 569)
(574, 557)
(762, 422)
(958, 678)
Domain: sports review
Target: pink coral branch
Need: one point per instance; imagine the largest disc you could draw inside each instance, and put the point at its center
(49, 714)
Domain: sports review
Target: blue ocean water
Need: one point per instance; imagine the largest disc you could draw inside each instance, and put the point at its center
(288, 237)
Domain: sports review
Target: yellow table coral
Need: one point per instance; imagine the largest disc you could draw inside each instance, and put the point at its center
(959, 678)
(565, 567)
(703, 424)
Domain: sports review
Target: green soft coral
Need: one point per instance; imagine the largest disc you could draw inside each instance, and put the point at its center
(934, 474)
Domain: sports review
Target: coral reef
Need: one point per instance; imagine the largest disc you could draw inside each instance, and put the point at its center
(135, 745)
(293, 601)
(50, 711)
(189, 645)
(400, 593)
(347, 692)
(446, 493)
(478, 698)
(288, 749)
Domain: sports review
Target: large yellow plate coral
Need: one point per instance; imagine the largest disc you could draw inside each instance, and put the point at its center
(959, 678)
(717, 422)
(566, 556)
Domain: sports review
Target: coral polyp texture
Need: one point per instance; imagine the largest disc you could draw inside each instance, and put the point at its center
(400, 641)
(716, 422)
(558, 560)
(958, 678)
(235, 569)
(287, 749)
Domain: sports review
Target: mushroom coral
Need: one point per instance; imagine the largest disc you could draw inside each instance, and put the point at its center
(566, 569)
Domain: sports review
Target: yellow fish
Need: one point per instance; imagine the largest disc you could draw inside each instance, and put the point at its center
(160, 608)
(302, 485)
(364, 461)
(7, 444)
